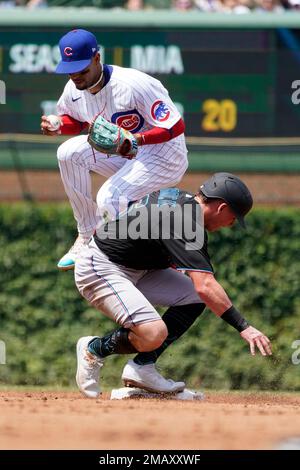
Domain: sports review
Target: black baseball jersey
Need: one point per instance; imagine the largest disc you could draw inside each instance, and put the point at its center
(162, 230)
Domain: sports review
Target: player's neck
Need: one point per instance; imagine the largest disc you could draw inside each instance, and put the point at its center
(96, 87)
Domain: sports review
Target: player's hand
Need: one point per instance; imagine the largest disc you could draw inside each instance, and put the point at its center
(110, 139)
(46, 126)
(256, 338)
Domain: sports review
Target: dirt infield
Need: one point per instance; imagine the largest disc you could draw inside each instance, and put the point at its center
(60, 420)
(272, 189)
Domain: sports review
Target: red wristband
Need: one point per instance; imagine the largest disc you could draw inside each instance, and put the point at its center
(71, 126)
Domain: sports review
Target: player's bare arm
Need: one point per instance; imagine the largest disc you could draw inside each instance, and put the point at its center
(215, 297)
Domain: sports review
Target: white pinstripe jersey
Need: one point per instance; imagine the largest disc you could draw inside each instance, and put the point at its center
(130, 99)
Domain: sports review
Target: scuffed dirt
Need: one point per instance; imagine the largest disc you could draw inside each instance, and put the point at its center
(66, 420)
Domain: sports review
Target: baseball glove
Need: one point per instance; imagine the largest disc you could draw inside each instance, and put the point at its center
(111, 139)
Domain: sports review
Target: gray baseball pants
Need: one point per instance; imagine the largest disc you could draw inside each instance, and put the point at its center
(127, 295)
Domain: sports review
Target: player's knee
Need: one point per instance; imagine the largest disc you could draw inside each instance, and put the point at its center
(64, 152)
(105, 208)
(154, 335)
(102, 197)
(110, 201)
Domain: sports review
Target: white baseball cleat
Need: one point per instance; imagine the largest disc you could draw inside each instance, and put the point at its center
(88, 369)
(147, 378)
(128, 392)
(68, 260)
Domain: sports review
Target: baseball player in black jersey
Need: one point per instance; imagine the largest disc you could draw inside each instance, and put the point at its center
(136, 262)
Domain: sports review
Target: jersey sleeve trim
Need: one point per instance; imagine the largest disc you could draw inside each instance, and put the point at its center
(107, 71)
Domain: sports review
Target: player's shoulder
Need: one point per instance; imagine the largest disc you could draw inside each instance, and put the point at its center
(70, 88)
(71, 94)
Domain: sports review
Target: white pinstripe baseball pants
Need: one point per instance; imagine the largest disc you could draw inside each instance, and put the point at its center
(155, 167)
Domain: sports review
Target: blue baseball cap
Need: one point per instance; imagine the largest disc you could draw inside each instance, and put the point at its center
(77, 49)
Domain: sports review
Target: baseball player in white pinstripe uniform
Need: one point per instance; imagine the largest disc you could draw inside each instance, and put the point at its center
(134, 101)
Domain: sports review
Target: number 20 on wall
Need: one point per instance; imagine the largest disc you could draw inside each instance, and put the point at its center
(219, 115)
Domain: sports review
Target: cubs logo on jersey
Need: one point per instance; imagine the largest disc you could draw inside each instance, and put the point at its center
(160, 111)
(131, 120)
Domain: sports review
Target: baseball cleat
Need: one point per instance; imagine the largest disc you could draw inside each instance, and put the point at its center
(68, 260)
(126, 392)
(147, 378)
(88, 369)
